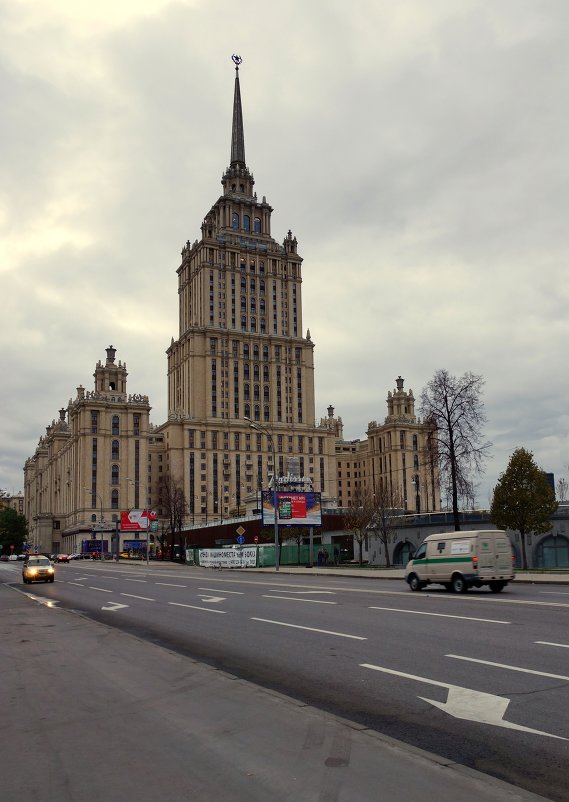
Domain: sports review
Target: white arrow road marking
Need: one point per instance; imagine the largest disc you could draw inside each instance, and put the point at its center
(114, 606)
(467, 704)
(214, 599)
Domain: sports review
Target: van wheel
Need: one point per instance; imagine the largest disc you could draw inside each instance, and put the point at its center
(458, 584)
(497, 587)
(414, 582)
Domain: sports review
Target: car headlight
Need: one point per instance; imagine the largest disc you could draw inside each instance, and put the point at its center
(32, 571)
(50, 570)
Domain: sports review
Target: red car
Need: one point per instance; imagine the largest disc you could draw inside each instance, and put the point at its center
(62, 558)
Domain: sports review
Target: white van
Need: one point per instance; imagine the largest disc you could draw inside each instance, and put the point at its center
(460, 560)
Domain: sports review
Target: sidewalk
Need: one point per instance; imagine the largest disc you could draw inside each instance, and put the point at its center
(530, 577)
(92, 713)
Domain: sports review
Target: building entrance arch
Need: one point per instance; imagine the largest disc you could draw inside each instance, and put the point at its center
(403, 553)
(552, 552)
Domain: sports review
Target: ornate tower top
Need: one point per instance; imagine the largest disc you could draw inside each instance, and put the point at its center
(237, 179)
(237, 137)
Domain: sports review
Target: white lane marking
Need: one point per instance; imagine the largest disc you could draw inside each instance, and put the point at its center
(103, 590)
(510, 668)
(441, 615)
(309, 629)
(195, 607)
(302, 592)
(76, 583)
(132, 596)
(136, 580)
(501, 601)
(292, 598)
(554, 593)
(214, 599)
(467, 704)
(548, 643)
(170, 585)
(114, 606)
(228, 592)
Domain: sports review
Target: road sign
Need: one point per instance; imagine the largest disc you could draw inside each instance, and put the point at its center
(241, 539)
(240, 530)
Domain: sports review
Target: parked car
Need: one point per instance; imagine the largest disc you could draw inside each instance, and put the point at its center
(13, 557)
(37, 569)
(4, 558)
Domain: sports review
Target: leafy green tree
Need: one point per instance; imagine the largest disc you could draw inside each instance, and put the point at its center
(13, 530)
(523, 499)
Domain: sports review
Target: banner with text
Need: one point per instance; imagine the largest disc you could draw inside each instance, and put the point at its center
(228, 558)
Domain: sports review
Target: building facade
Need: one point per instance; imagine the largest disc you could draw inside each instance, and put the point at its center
(90, 464)
(241, 402)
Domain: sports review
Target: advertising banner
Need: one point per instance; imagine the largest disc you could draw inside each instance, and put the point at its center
(137, 520)
(228, 558)
(293, 509)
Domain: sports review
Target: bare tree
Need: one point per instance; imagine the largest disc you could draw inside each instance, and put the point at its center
(453, 405)
(174, 504)
(359, 516)
(389, 505)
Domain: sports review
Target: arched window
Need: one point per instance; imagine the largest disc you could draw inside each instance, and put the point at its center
(115, 425)
(256, 353)
(246, 370)
(253, 305)
(252, 285)
(253, 324)
(256, 372)
(265, 393)
(115, 474)
(265, 353)
(257, 225)
(93, 518)
(247, 411)
(265, 373)
(415, 445)
(115, 500)
(246, 392)
(257, 412)
(243, 322)
(266, 413)
(245, 351)
(246, 222)
(115, 454)
(256, 391)
(235, 221)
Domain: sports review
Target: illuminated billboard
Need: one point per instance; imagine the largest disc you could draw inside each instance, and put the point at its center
(137, 520)
(293, 509)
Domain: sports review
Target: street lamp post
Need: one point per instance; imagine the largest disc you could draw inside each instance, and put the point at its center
(98, 495)
(263, 430)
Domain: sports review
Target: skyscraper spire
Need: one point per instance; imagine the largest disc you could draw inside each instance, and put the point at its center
(237, 137)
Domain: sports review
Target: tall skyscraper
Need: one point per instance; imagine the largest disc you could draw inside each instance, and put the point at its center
(242, 354)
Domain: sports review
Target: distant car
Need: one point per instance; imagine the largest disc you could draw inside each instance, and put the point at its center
(4, 558)
(37, 569)
(62, 558)
(13, 557)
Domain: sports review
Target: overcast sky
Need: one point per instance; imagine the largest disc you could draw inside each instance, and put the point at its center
(418, 150)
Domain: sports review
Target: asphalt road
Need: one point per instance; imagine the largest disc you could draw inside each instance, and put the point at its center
(480, 679)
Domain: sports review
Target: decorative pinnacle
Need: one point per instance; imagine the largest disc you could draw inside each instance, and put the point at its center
(236, 60)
